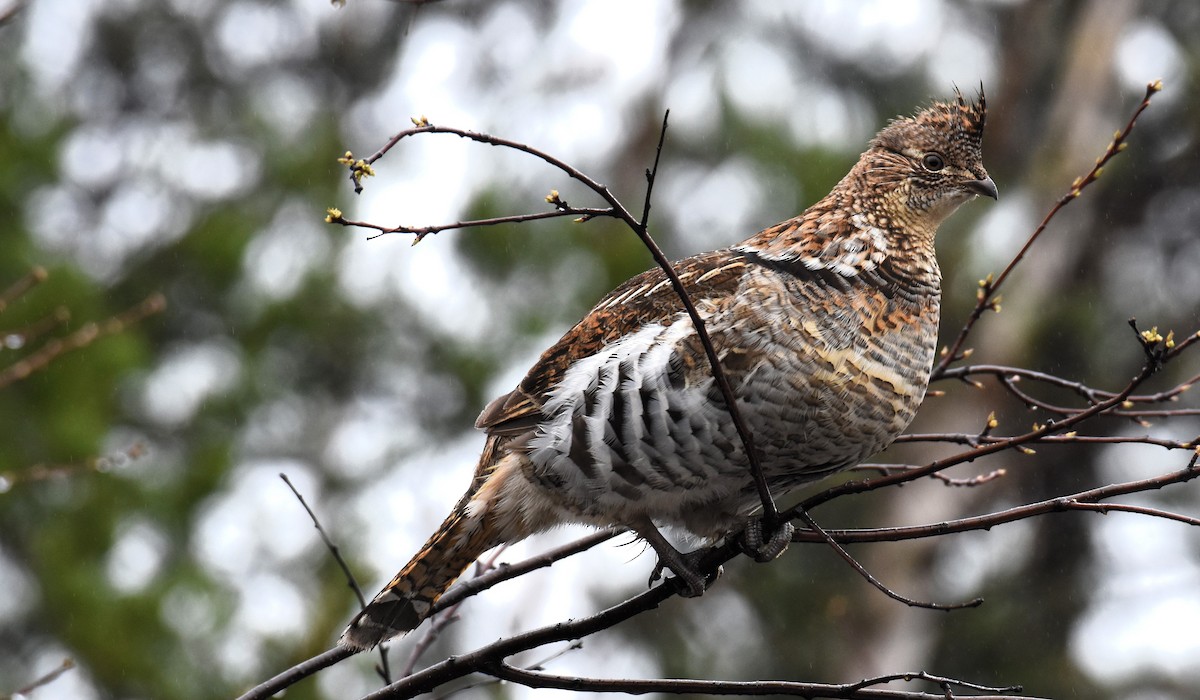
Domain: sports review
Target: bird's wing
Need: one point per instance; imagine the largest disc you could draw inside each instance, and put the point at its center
(646, 298)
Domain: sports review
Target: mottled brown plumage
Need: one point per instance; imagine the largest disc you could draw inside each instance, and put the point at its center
(826, 325)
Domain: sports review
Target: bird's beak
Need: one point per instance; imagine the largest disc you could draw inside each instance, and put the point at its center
(985, 187)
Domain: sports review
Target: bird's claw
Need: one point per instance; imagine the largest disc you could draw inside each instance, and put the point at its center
(766, 549)
(691, 584)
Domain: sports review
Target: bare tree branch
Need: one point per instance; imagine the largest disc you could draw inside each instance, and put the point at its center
(422, 231)
(42, 681)
(385, 672)
(986, 522)
(862, 690)
(85, 336)
(31, 279)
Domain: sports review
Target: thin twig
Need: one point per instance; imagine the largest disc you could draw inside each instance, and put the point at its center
(384, 671)
(85, 336)
(42, 681)
(329, 544)
(632, 686)
(770, 512)
(31, 279)
(1104, 508)
(940, 680)
(971, 482)
(986, 297)
(1068, 439)
(1029, 510)
(44, 472)
(505, 572)
(422, 231)
(862, 571)
(1088, 393)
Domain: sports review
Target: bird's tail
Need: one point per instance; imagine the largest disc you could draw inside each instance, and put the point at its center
(409, 597)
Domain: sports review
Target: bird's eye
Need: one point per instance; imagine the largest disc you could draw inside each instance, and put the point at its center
(933, 161)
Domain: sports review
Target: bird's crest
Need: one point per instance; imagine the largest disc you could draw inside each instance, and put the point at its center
(953, 126)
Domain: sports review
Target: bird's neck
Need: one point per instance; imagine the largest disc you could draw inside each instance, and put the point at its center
(856, 232)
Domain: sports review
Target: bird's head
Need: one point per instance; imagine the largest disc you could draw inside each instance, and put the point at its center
(932, 162)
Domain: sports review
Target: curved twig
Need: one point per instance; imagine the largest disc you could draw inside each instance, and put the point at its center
(862, 571)
(986, 297)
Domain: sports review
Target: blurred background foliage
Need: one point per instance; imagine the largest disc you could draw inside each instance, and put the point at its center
(188, 148)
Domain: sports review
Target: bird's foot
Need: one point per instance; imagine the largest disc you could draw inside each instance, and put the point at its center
(684, 566)
(692, 583)
(765, 549)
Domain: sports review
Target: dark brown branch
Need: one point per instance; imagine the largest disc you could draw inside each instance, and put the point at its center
(460, 591)
(770, 512)
(464, 664)
(990, 520)
(861, 690)
(297, 673)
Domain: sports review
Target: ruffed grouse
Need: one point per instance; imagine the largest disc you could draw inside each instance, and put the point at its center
(826, 325)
